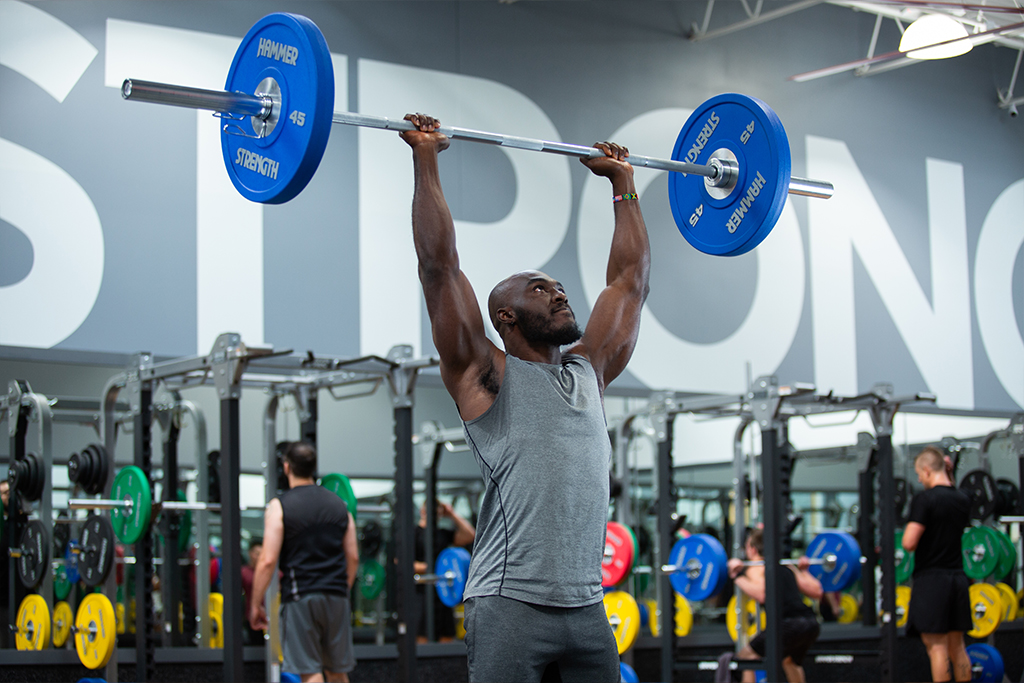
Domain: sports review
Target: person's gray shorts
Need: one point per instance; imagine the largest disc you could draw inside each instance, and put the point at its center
(316, 635)
(509, 640)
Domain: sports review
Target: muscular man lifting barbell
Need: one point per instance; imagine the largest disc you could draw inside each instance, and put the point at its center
(535, 422)
(799, 625)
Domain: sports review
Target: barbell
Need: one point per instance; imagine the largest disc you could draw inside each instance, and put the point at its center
(132, 505)
(731, 161)
(697, 565)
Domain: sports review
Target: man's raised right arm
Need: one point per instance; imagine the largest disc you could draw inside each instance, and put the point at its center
(466, 353)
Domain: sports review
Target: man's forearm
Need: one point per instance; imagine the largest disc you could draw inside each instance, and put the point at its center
(261, 581)
(630, 251)
(433, 227)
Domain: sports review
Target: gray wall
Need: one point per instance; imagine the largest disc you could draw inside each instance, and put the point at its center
(116, 233)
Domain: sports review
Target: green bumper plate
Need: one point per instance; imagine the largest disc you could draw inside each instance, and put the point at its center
(341, 487)
(130, 523)
(980, 551)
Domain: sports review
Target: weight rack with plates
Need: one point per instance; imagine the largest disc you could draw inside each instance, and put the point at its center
(770, 406)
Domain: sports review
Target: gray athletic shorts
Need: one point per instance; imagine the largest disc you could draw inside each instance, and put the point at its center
(509, 640)
(316, 635)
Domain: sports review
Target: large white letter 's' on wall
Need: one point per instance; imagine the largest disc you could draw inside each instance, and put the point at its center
(43, 48)
(766, 333)
(51, 208)
(852, 220)
(527, 237)
(1000, 242)
(40, 199)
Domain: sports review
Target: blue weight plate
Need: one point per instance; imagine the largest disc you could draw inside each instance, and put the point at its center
(627, 674)
(71, 562)
(454, 560)
(986, 662)
(847, 552)
(750, 131)
(289, 49)
(707, 558)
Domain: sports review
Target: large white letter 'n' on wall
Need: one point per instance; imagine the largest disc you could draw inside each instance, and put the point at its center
(852, 220)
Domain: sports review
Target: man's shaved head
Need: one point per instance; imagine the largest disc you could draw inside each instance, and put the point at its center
(534, 299)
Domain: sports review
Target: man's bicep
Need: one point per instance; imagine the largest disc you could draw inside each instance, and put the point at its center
(457, 326)
(612, 330)
(273, 530)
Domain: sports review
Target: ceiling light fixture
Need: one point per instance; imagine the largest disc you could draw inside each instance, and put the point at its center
(935, 36)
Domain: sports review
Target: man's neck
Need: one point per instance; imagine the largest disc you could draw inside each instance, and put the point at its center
(295, 483)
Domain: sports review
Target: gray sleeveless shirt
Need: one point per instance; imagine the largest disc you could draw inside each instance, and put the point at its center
(544, 453)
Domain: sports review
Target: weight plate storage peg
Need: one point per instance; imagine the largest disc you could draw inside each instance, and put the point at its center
(700, 567)
(132, 521)
(286, 57)
(847, 565)
(455, 560)
(983, 491)
(339, 485)
(986, 663)
(624, 618)
(619, 551)
(986, 610)
(95, 635)
(980, 549)
(62, 621)
(34, 554)
(744, 134)
(33, 622)
(96, 550)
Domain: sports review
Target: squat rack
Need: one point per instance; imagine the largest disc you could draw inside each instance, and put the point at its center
(232, 365)
(771, 406)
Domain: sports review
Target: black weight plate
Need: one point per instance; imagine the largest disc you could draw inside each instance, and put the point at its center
(213, 477)
(61, 535)
(35, 554)
(981, 488)
(371, 537)
(1009, 497)
(79, 468)
(97, 550)
(103, 464)
(901, 500)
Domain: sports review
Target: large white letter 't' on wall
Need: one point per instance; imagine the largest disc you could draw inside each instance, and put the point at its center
(527, 237)
(852, 220)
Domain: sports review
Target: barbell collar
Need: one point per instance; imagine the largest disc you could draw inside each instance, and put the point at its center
(261, 106)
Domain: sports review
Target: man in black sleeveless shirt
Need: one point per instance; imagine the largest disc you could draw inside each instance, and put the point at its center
(799, 624)
(312, 532)
(940, 607)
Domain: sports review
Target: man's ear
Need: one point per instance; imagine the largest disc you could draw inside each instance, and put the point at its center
(507, 316)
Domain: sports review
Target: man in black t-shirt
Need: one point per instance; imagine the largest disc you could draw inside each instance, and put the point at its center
(799, 624)
(312, 532)
(940, 608)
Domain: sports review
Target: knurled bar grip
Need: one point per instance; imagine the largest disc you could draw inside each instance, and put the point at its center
(260, 106)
